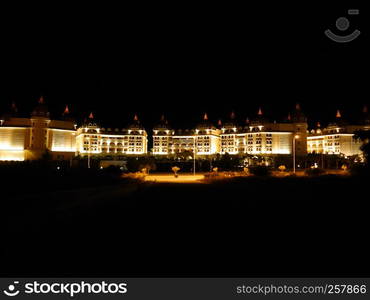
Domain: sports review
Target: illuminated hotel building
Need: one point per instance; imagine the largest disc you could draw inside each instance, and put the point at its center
(204, 139)
(29, 138)
(257, 137)
(338, 137)
(91, 139)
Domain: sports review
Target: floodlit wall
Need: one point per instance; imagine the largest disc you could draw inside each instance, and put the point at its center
(62, 140)
(12, 143)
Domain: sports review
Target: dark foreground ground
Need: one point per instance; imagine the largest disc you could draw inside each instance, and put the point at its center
(251, 227)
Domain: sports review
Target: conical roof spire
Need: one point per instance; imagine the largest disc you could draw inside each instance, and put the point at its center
(318, 125)
(13, 111)
(247, 121)
(232, 115)
(205, 123)
(162, 124)
(91, 116)
(260, 113)
(136, 123)
(338, 114)
(66, 110)
(14, 107)
(219, 123)
(289, 117)
(41, 109)
(365, 115)
(297, 115)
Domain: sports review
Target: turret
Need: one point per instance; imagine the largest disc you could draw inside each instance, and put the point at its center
(365, 115)
(162, 128)
(298, 116)
(11, 113)
(135, 124)
(39, 128)
(259, 121)
(205, 124)
(231, 125)
(162, 125)
(66, 115)
(41, 110)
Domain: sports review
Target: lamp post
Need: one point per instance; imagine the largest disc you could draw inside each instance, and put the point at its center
(194, 155)
(88, 154)
(294, 138)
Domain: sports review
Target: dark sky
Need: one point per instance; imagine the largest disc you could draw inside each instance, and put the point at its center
(183, 60)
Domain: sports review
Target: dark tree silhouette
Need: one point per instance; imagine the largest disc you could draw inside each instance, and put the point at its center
(364, 136)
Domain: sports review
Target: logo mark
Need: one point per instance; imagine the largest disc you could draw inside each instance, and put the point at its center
(342, 24)
(11, 292)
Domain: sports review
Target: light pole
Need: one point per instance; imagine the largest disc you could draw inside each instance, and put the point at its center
(194, 156)
(88, 155)
(294, 138)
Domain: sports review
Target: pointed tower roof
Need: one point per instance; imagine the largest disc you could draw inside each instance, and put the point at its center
(247, 123)
(219, 123)
(231, 122)
(163, 123)
(14, 108)
(66, 110)
(205, 123)
(136, 123)
(365, 115)
(338, 121)
(41, 110)
(338, 114)
(90, 121)
(11, 112)
(66, 115)
(298, 116)
(259, 118)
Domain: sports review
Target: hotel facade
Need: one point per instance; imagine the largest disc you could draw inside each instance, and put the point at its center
(258, 137)
(338, 138)
(30, 138)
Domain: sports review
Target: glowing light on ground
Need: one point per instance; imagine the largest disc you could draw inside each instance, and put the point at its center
(170, 178)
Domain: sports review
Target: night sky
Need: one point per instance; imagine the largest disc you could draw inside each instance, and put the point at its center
(183, 61)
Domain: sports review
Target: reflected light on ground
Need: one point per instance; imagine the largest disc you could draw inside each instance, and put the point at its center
(170, 178)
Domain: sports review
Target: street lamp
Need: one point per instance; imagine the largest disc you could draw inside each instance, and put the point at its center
(88, 154)
(194, 156)
(294, 138)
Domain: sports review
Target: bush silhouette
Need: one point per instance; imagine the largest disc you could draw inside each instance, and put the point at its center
(260, 171)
